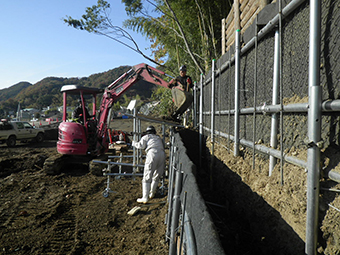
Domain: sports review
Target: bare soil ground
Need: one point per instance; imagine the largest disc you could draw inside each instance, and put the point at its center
(67, 214)
(263, 209)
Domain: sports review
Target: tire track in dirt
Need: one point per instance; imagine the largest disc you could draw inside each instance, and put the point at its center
(65, 230)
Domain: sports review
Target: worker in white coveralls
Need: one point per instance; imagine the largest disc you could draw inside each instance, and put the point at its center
(154, 162)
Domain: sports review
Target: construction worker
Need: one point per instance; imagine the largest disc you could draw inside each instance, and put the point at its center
(78, 112)
(183, 80)
(154, 162)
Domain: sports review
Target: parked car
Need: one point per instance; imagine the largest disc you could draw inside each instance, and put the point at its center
(12, 131)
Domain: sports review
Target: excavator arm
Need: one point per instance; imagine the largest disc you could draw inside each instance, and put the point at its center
(122, 84)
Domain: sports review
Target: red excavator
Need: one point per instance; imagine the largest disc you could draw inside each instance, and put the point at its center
(86, 134)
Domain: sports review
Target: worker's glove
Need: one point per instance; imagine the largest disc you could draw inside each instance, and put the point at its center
(172, 83)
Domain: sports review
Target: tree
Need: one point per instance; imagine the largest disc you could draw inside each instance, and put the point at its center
(96, 20)
(190, 30)
(181, 32)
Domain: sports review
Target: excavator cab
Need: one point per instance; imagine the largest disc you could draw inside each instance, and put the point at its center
(77, 133)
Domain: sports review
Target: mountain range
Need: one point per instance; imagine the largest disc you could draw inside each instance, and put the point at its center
(47, 91)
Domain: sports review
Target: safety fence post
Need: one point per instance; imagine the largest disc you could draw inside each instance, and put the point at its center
(176, 211)
(182, 222)
(212, 120)
(237, 94)
(139, 130)
(163, 133)
(120, 161)
(314, 128)
(174, 165)
(212, 123)
(201, 120)
(281, 91)
(276, 81)
(194, 114)
(134, 138)
(255, 93)
(229, 103)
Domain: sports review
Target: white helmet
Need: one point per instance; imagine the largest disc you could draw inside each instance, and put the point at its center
(150, 130)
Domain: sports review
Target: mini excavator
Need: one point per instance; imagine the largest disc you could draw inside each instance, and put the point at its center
(87, 137)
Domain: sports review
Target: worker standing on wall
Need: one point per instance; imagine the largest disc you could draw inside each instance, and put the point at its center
(154, 162)
(183, 80)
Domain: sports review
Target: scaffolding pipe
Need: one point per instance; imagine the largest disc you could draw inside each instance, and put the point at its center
(265, 150)
(255, 93)
(163, 133)
(201, 120)
(175, 212)
(182, 222)
(212, 122)
(122, 174)
(326, 107)
(314, 128)
(272, 24)
(134, 137)
(212, 119)
(276, 82)
(194, 115)
(281, 93)
(142, 117)
(237, 94)
(190, 237)
(333, 175)
(120, 161)
(139, 151)
(229, 100)
(116, 163)
(171, 191)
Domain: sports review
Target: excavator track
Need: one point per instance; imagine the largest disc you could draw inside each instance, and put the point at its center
(54, 164)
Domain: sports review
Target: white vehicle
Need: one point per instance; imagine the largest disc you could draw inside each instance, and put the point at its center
(12, 131)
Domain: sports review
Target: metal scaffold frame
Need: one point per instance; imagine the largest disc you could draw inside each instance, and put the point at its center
(137, 155)
(313, 109)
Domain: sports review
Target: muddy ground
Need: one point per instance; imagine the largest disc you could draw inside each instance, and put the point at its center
(67, 214)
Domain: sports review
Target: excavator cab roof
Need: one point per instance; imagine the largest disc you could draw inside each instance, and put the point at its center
(75, 89)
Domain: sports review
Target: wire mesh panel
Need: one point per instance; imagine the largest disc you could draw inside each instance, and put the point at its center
(287, 123)
(295, 35)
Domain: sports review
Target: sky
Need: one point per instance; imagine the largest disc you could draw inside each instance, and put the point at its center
(36, 43)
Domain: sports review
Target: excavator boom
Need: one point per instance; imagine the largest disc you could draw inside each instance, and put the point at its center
(118, 87)
(90, 136)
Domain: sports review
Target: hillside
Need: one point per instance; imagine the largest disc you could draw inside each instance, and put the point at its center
(13, 90)
(47, 91)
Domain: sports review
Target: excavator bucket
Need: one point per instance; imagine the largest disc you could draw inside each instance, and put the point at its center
(182, 100)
